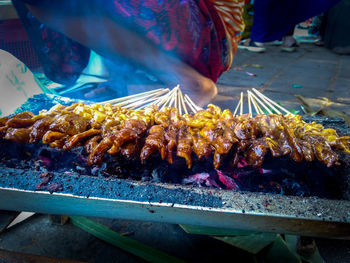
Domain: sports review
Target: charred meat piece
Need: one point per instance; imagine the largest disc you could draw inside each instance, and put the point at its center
(91, 143)
(201, 147)
(70, 124)
(171, 139)
(51, 136)
(184, 146)
(39, 128)
(19, 135)
(256, 152)
(154, 141)
(80, 137)
(131, 131)
(96, 156)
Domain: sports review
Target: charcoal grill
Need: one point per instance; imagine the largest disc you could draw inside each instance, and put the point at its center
(180, 204)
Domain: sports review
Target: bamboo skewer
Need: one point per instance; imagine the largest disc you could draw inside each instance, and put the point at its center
(193, 104)
(179, 102)
(236, 109)
(190, 105)
(183, 102)
(271, 101)
(146, 99)
(114, 101)
(249, 105)
(141, 102)
(175, 98)
(160, 97)
(162, 100)
(256, 106)
(167, 99)
(268, 103)
(182, 107)
(241, 108)
(147, 96)
(261, 103)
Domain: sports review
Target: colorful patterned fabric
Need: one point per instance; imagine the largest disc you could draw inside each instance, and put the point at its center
(191, 29)
(231, 13)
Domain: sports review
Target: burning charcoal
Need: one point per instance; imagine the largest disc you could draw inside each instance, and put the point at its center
(201, 179)
(242, 163)
(229, 182)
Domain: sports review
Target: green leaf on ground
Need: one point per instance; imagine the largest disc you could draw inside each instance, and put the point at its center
(214, 231)
(253, 243)
(291, 242)
(315, 258)
(294, 111)
(128, 244)
(280, 252)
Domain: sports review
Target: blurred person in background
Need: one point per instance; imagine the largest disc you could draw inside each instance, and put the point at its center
(275, 20)
(336, 33)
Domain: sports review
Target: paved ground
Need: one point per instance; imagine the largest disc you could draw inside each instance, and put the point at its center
(318, 72)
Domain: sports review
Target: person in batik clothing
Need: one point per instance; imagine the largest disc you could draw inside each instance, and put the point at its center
(186, 42)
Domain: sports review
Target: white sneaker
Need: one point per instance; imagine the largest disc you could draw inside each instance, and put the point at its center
(252, 46)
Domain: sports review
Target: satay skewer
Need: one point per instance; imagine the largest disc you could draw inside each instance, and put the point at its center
(173, 97)
(194, 110)
(241, 108)
(114, 101)
(139, 103)
(237, 107)
(264, 98)
(179, 102)
(176, 97)
(261, 103)
(249, 105)
(193, 104)
(182, 106)
(272, 102)
(147, 96)
(183, 103)
(163, 100)
(256, 106)
(142, 101)
(167, 99)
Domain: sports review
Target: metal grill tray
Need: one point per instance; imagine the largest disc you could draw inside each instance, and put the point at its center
(179, 204)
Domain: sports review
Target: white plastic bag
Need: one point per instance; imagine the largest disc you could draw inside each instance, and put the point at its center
(17, 83)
